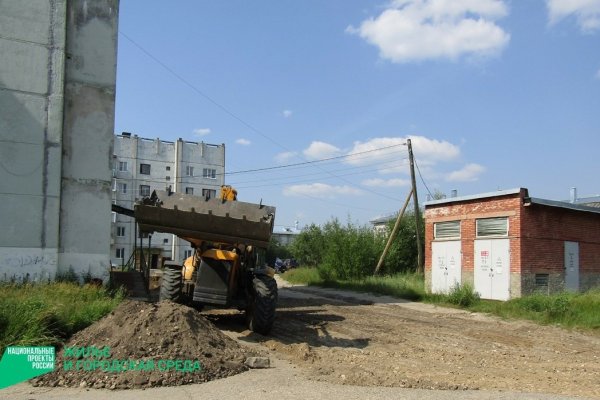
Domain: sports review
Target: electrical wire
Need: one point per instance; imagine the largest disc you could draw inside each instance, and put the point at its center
(311, 162)
(421, 176)
(230, 113)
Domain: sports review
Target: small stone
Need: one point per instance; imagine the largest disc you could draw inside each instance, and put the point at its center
(258, 362)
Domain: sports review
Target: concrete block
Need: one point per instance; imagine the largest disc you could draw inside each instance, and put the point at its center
(23, 117)
(24, 66)
(26, 20)
(258, 362)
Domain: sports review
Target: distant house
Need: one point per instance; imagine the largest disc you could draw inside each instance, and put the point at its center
(381, 224)
(508, 244)
(285, 235)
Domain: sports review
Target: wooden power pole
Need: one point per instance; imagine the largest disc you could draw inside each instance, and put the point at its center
(416, 204)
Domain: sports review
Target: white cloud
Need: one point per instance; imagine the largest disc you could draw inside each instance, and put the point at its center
(243, 142)
(201, 131)
(318, 150)
(468, 173)
(287, 113)
(586, 12)
(378, 182)
(285, 157)
(415, 30)
(427, 152)
(320, 190)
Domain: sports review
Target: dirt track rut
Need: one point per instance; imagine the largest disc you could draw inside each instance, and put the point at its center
(341, 337)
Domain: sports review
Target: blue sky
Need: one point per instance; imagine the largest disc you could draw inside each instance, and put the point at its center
(493, 94)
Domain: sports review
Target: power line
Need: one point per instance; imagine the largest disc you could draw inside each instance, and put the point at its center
(200, 92)
(310, 162)
(421, 176)
(227, 111)
(380, 164)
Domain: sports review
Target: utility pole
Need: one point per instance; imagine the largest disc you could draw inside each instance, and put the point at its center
(416, 203)
(392, 235)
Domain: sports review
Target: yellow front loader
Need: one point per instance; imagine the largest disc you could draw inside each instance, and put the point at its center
(229, 238)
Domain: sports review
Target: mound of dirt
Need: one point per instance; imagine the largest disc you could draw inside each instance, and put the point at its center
(144, 345)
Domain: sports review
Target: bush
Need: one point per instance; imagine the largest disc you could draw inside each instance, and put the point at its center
(308, 247)
(403, 254)
(463, 295)
(350, 251)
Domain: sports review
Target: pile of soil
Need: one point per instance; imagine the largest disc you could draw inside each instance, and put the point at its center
(140, 331)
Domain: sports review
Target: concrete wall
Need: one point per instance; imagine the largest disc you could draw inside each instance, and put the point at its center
(57, 81)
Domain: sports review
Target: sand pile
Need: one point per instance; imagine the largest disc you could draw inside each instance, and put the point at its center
(144, 345)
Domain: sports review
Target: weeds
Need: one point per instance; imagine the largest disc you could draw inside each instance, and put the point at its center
(48, 313)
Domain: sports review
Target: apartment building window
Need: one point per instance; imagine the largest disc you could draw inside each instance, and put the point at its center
(168, 178)
(187, 254)
(120, 231)
(145, 169)
(189, 190)
(144, 190)
(165, 241)
(120, 252)
(123, 188)
(122, 166)
(189, 170)
(168, 168)
(144, 235)
(209, 193)
(209, 173)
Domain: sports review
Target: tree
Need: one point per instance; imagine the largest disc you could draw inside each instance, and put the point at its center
(308, 247)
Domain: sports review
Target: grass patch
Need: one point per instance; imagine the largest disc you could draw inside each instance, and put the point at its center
(570, 310)
(35, 314)
(403, 285)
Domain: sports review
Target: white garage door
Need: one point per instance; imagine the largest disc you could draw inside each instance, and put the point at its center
(492, 268)
(446, 265)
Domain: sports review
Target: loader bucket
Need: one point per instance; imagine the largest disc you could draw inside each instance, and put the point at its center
(198, 219)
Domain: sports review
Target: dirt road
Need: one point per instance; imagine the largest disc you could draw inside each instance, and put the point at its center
(330, 344)
(341, 337)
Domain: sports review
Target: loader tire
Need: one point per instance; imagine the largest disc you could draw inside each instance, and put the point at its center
(172, 284)
(261, 309)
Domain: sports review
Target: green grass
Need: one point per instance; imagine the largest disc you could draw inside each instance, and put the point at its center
(570, 310)
(48, 313)
(405, 285)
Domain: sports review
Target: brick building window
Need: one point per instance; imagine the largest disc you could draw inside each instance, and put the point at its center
(120, 231)
(187, 254)
(120, 252)
(189, 190)
(145, 169)
(122, 166)
(189, 170)
(446, 230)
(487, 227)
(122, 188)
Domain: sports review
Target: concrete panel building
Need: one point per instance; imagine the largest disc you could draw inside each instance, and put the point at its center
(508, 244)
(142, 165)
(57, 91)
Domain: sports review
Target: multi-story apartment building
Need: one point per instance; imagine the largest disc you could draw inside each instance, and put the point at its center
(142, 165)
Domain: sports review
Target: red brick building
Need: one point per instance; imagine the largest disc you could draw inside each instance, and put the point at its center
(508, 244)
